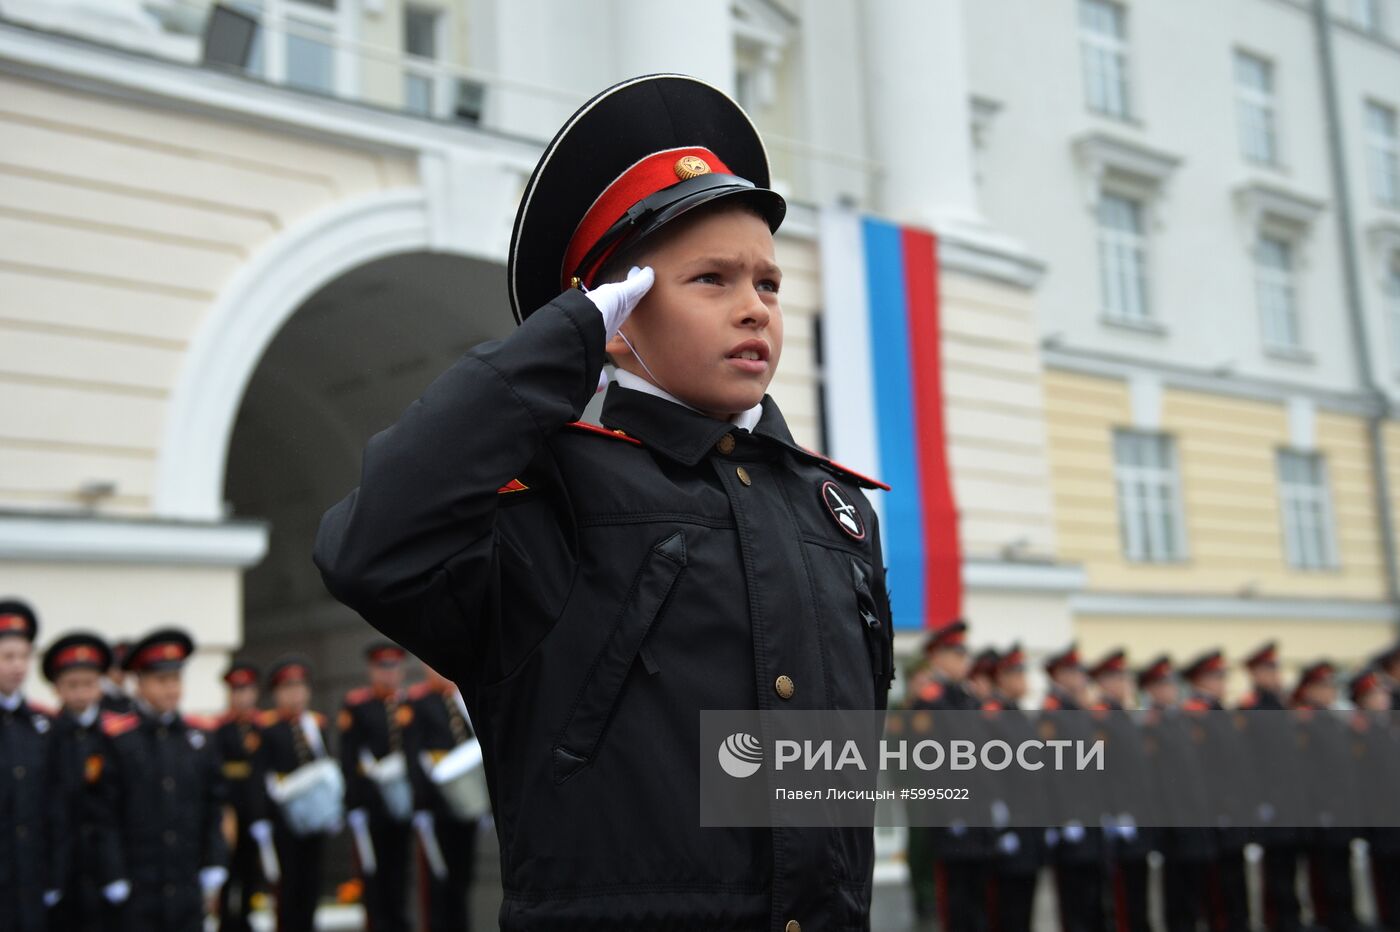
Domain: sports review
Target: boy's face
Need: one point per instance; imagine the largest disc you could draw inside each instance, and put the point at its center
(292, 697)
(14, 663)
(78, 689)
(716, 287)
(160, 689)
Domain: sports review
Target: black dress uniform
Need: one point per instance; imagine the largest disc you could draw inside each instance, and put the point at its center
(237, 739)
(162, 795)
(591, 589)
(77, 740)
(1181, 797)
(33, 827)
(372, 723)
(1078, 853)
(440, 724)
(290, 742)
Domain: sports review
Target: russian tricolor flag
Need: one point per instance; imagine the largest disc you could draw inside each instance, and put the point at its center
(884, 401)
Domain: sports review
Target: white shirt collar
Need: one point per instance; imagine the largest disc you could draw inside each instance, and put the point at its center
(11, 702)
(88, 715)
(745, 419)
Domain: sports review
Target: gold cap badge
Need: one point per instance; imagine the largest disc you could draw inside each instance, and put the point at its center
(691, 166)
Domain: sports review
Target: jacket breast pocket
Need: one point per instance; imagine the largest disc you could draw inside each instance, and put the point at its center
(588, 716)
(878, 640)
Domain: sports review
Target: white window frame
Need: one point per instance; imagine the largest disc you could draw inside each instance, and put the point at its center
(1305, 512)
(279, 17)
(1151, 520)
(1256, 110)
(442, 86)
(1125, 260)
(1106, 60)
(1276, 294)
(1390, 292)
(1383, 152)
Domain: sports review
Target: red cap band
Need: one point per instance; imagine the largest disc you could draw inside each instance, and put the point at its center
(643, 179)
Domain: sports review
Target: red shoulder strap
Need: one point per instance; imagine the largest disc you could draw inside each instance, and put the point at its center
(848, 471)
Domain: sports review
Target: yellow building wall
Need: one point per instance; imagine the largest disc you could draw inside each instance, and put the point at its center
(119, 225)
(1226, 451)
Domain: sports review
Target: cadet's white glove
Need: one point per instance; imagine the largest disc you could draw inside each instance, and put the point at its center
(617, 299)
(212, 878)
(1073, 832)
(117, 891)
(51, 897)
(1009, 843)
(261, 831)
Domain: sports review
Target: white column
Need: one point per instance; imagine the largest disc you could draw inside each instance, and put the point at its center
(918, 105)
(695, 37)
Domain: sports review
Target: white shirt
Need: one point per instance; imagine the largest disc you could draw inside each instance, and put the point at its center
(745, 419)
(11, 702)
(88, 715)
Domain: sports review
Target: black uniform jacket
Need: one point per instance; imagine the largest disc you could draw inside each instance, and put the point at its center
(591, 591)
(33, 822)
(162, 794)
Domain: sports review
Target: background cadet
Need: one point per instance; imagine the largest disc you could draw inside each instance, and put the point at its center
(1331, 786)
(236, 737)
(1377, 747)
(980, 676)
(161, 795)
(74, 665)
(1271, 741)
(292, 737)
(1231, 779)
(33, 829)
(115, 695)
(440, 724)
(1020, 847)
(372, 722)
(1128, 774)
(1181, 796)
(1077, 849)
(1387, 662)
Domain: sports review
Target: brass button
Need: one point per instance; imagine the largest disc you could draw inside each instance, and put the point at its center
(784, 686)
(744, 476)
(792, 926)
(726, 444)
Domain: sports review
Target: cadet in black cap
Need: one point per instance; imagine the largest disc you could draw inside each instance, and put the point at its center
(236, 736)
(33, 828)
(162, 793)
(294, 737)
(74, 664)
(592, 588)
(1387, 663)
(372, 723)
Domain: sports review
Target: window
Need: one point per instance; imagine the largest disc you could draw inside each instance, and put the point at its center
(420, 45)
(1254, 103)
(1149, 497)
(1103, 40)
(1383, 149)
(1277, 293)
(1123, 258)
(1307, 511)
(1364, 14)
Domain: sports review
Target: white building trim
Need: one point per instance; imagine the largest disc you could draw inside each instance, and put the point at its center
(1086, 604)
(1022, 577)
(231, 341)
(63, 538)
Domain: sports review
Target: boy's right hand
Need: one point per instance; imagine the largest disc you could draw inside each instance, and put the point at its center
(617, 299)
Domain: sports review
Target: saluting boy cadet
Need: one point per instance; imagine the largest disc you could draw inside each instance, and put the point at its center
(592, 588)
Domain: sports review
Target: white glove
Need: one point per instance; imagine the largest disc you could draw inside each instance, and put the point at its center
(261, 831)
(117, 891)
(358, 819)
(1074, 832)
(52, 896)
(212, 878)
(1009, 843)
(617, 299)
(957, 828)
(1127, 827)
(1001, 814)
(1052, 837)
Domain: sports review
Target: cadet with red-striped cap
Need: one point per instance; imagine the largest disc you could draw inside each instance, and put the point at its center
(74, 664)
(161, 792)
(593, 587)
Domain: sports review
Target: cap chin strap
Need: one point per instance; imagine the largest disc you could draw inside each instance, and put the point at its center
(655, 381)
